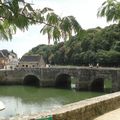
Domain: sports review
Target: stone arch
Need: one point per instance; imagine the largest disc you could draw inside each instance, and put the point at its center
(31, 80)
(97, 84)
(63, 81)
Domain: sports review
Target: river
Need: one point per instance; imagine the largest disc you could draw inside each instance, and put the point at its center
(23, 100)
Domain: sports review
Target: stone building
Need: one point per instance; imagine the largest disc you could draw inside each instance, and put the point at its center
(31, 61)
(8, 59)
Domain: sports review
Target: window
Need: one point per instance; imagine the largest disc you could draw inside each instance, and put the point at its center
(26, 65)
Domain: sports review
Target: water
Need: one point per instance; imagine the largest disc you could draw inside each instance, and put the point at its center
(22, 100)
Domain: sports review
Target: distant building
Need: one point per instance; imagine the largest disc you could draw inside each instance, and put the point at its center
(8, 59)
(31, 61)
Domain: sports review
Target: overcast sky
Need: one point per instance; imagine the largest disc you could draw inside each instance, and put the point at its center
(83, 10)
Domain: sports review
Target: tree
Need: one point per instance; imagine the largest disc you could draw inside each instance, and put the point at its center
(111, 10)
(20, 14)
(116, 46)
(108, 58)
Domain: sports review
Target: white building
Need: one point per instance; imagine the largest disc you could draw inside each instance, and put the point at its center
(8, 59)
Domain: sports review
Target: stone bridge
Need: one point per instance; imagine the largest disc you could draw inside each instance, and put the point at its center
(84, 78)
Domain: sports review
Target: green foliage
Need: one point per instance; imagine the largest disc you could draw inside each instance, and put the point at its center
(57, 27)
(116, 46)
(12, 16)
(111, 10)
(93, 46)
(20, 14)
(109, 58)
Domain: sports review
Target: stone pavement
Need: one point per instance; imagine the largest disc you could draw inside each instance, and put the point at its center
(113, 115)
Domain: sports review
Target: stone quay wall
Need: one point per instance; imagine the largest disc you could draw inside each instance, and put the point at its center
(89, 109)
(85, 109)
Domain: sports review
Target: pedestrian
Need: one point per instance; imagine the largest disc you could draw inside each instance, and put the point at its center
(97, 65)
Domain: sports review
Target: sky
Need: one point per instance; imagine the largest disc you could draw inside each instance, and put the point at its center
(85, 11)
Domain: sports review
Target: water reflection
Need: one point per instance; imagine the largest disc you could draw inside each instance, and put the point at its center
(15, 106)
(20, 100)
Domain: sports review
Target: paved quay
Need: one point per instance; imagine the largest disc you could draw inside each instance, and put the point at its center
(113, 115)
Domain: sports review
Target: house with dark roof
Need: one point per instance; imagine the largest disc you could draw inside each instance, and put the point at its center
(8, 59)
(31, 61)
(3, 60)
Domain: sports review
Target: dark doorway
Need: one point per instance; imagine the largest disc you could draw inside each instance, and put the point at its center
(98, 85)
(63, 81)
(31, 80)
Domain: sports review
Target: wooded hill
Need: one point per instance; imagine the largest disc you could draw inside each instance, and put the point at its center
(97, 45)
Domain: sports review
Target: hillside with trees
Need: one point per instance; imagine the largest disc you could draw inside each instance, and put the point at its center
(92, 46)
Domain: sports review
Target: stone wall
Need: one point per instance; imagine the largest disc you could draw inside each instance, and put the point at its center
(86, 109)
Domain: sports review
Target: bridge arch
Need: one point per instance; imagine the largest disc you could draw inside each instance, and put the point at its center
(102, 84)
(31, 80)
(63, 80)
(97, 84)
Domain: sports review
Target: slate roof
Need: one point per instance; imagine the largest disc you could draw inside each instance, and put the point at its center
(4, 53)
(1, 55)
(30, 58)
